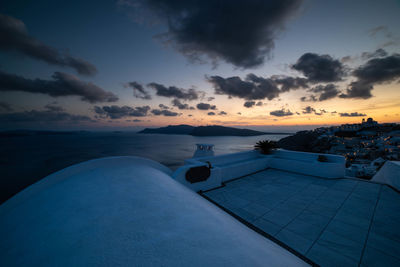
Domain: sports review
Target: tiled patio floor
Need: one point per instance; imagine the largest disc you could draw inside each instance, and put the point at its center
(339, 222)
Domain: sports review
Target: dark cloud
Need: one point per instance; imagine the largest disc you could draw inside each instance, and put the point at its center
(241, 32)
(252, 88)
(308, 110)
(117, 112)
(321, 112)
(222, 113)
(211, 113)
(180, 105)
(62, 84)
(139, 91)
(249, 104)
(320, 68)
(353, 114)
(162, 106)
(325, 92)
(288, 83)
(358, 89)
(42, 116)
(15, 37)
(206, 106)
(175, 92)
(374, 71)
(377, 53)
(311, 98)
(5, 107)
(281, 113)
(379, 70)
(164, 112)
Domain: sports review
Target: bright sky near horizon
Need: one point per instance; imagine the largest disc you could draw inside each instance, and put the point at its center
(129, 64)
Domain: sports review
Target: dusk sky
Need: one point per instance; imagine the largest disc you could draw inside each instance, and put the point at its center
(126, 64)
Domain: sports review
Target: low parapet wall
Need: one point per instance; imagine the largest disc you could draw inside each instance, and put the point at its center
(231, 166)
(333, 166)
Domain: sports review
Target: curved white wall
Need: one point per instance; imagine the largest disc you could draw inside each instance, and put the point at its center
(125, 211)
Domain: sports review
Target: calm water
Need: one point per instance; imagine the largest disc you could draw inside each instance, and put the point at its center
(25, 160)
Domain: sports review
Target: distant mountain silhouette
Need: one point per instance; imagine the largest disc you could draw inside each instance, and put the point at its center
(170, 129)
(203, 131)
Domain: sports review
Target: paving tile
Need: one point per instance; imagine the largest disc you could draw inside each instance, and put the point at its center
(387, 217)
(352, 218)
(342, 245)
(280, 217)
(367, 187)
(256, 209)
(215, 195)
(268, 202)
(327, 220)
(302, 198)
(314, 218)
(235, 204)
(366, 195)
(389, 246)
(334, 194)
(375, 258)
(251, 195)
(292, 206)
(305, 229)
(349, 231)
(393, 206)
(323, 210)
(345, 185)
(244, 214)
(324, 182)
(315, 190)
(365, 212)
(295, 241)
(388, 193)
(388, 228)
(267, 226)
(329, 258)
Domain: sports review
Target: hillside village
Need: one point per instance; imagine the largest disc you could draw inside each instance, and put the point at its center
(366, 145)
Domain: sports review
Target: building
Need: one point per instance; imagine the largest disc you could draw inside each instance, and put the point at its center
(283, 209)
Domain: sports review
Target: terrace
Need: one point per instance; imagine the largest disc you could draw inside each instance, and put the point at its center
(333, 222)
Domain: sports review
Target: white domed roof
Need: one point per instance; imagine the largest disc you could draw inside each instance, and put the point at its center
(125, 211)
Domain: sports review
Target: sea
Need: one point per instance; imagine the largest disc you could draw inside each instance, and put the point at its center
(26, 159)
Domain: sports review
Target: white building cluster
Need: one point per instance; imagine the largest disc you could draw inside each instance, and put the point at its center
(366, 145)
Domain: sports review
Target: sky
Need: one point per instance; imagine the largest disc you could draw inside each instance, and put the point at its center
(129, 64)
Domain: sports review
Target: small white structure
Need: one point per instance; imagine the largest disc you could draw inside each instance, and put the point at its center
(125, 211)
(204, 150)
(389, 174)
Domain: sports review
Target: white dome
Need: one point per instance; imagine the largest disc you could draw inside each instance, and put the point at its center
(125, 211)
